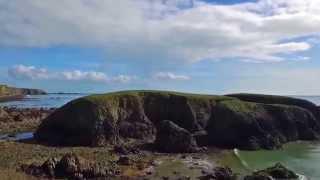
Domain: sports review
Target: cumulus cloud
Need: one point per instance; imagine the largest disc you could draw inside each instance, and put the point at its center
(28, 72)
(170, 76)
(77, 75)
(186, 30)
(33, 73)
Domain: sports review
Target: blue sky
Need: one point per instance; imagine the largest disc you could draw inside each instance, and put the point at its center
(214, 47)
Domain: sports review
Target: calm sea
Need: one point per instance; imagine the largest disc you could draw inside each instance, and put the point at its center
(43, 101)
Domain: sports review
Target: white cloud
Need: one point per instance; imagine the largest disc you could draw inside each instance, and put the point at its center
(77, 75)
(188, 30)
(123, 78)
(28, 72)
(170, 76)
(34, 73)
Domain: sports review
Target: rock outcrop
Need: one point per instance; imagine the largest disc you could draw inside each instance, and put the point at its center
(173, 139)
(273, 99)
(275, 172)
(69, 166)
(219, 173)
(212, 120)
(21, 119)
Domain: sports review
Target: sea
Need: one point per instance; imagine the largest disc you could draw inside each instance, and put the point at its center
(43, 101)
(302, 157)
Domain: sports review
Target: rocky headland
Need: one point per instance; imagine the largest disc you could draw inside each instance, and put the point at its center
(135, 134)
(178, 122)
(8, 93)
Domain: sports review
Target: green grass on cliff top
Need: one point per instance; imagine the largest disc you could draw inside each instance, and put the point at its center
(143, 93)
(3, 89)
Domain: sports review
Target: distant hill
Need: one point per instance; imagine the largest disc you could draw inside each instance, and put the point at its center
(13, 91)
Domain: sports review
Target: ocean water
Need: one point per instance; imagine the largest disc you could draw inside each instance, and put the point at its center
(43, 101)
(301, 157)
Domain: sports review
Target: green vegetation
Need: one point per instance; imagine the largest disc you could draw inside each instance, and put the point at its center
(3, 90)
(6, 91)
(239, 106)
(142, 93)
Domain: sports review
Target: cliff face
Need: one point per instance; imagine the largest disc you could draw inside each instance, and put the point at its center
(12, 91)
(211, 120)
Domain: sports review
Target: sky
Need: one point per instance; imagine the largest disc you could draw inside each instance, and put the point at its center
(212, 47)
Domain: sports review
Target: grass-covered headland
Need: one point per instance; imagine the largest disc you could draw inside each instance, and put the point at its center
(121, 134)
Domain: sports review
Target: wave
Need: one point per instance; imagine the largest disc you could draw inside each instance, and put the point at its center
(241, 160)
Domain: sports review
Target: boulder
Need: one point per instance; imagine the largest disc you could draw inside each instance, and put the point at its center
(114, 118)
(278, 171)
(125, 161)
(219, 173)
(173, 139)
(3, 114)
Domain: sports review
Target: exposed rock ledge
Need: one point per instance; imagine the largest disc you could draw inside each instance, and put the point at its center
(210, 120)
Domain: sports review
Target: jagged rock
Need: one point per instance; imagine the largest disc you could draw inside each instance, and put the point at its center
(70, 166)
(49, 167)
(173, 139)
(124, 160)
(117, 117)
(125, 150)
(277, 172)
(219, 173)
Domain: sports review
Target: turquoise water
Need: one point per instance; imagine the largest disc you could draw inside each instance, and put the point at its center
(301, 157)
(43, 101)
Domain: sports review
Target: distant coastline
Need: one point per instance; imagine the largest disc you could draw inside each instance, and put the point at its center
(67, 93)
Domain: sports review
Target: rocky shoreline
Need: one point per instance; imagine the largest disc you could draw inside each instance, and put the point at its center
(14, 120)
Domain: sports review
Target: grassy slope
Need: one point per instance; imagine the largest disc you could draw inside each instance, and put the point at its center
(115, 96)
(3, 90)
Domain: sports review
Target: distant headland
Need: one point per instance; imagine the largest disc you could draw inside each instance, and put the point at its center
(8, 93)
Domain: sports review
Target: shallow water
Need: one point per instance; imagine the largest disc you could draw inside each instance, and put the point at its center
(301, 157)
(43, 101)
(175, 166)
(17, 137)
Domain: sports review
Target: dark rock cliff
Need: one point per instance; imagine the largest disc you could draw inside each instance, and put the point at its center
(210, 120)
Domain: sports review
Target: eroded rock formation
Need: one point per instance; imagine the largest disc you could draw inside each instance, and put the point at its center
(211, 120)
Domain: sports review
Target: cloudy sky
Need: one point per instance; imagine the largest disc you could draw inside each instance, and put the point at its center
(206, 46)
